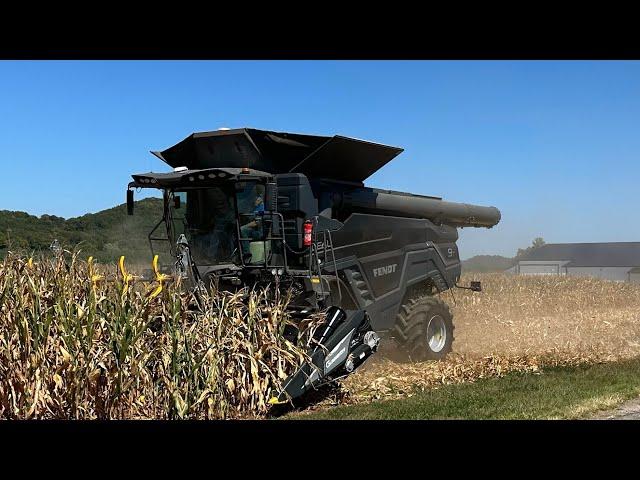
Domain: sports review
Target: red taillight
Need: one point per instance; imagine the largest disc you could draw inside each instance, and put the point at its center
(308, 228)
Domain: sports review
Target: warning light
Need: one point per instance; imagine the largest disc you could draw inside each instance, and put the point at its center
(245, 170)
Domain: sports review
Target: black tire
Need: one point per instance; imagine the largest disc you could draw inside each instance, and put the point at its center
(420, 319)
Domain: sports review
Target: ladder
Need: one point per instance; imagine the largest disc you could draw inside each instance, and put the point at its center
(318, 258)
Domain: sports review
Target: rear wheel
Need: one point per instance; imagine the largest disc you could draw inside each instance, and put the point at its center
(424, 329)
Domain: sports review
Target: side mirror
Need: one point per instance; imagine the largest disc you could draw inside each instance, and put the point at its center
(271, 197)
(176, 202)
(129, 202)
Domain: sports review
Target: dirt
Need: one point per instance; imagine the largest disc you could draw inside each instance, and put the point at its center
(627, 411)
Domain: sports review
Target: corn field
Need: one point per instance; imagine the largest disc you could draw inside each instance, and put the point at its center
(562, 317)
(85, 341)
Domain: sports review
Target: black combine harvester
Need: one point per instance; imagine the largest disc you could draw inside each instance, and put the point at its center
(245, 207)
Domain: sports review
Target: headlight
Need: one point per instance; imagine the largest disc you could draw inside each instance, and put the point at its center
(348, 364)
(371, 339)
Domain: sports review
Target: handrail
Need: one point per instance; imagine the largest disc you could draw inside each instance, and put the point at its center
(264, 241)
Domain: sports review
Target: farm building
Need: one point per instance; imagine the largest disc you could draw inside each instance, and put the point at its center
(612, 261)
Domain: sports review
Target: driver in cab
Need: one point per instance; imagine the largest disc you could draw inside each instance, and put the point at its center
(253, 227)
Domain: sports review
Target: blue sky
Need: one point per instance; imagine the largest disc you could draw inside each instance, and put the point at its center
(554, 145)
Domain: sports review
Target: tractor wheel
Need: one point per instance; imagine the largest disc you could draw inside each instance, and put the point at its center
(424, 329)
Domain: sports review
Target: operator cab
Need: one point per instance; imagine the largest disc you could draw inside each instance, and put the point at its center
(210, 217)
(227, 217)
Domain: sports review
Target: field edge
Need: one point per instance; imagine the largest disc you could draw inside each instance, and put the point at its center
(566, 392)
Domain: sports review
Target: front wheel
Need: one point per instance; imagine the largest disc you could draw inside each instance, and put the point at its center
(424, 329)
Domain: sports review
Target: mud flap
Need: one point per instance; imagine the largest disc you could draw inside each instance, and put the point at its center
(343, 342)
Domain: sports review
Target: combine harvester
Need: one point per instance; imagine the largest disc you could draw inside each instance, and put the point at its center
(245, 207)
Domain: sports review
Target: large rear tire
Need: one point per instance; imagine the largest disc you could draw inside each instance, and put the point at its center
(424, 329)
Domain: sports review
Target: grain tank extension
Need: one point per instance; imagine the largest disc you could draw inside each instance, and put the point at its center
(247, 206)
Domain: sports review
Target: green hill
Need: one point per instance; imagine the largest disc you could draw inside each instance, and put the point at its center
(110, 233)
(106, 235)
(498, 263)
(487, 263)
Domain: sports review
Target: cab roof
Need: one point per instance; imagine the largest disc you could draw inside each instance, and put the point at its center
(333, 157)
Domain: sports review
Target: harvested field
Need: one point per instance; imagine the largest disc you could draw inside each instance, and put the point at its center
(518, 323)
(566, 317)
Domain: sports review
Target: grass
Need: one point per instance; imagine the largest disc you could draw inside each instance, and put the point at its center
(556, 393)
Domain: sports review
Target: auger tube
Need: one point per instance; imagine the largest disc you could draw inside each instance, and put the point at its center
(366, 200)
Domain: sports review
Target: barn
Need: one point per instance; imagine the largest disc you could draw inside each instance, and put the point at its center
(612, 261)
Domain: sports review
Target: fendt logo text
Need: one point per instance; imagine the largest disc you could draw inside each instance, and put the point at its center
(380, 271)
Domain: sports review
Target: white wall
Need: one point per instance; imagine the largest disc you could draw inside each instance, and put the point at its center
(609, 273)
(538, 267)
(558, 268)
(634, 277)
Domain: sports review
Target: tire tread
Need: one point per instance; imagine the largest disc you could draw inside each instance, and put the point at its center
(409, 331)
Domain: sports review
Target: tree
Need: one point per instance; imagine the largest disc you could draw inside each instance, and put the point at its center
(536, 243)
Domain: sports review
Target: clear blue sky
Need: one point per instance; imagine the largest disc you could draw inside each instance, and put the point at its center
(554, 145)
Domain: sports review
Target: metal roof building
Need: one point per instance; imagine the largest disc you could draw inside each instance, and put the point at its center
(612, 261)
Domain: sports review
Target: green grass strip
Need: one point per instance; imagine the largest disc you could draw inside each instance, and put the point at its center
(556, 393)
